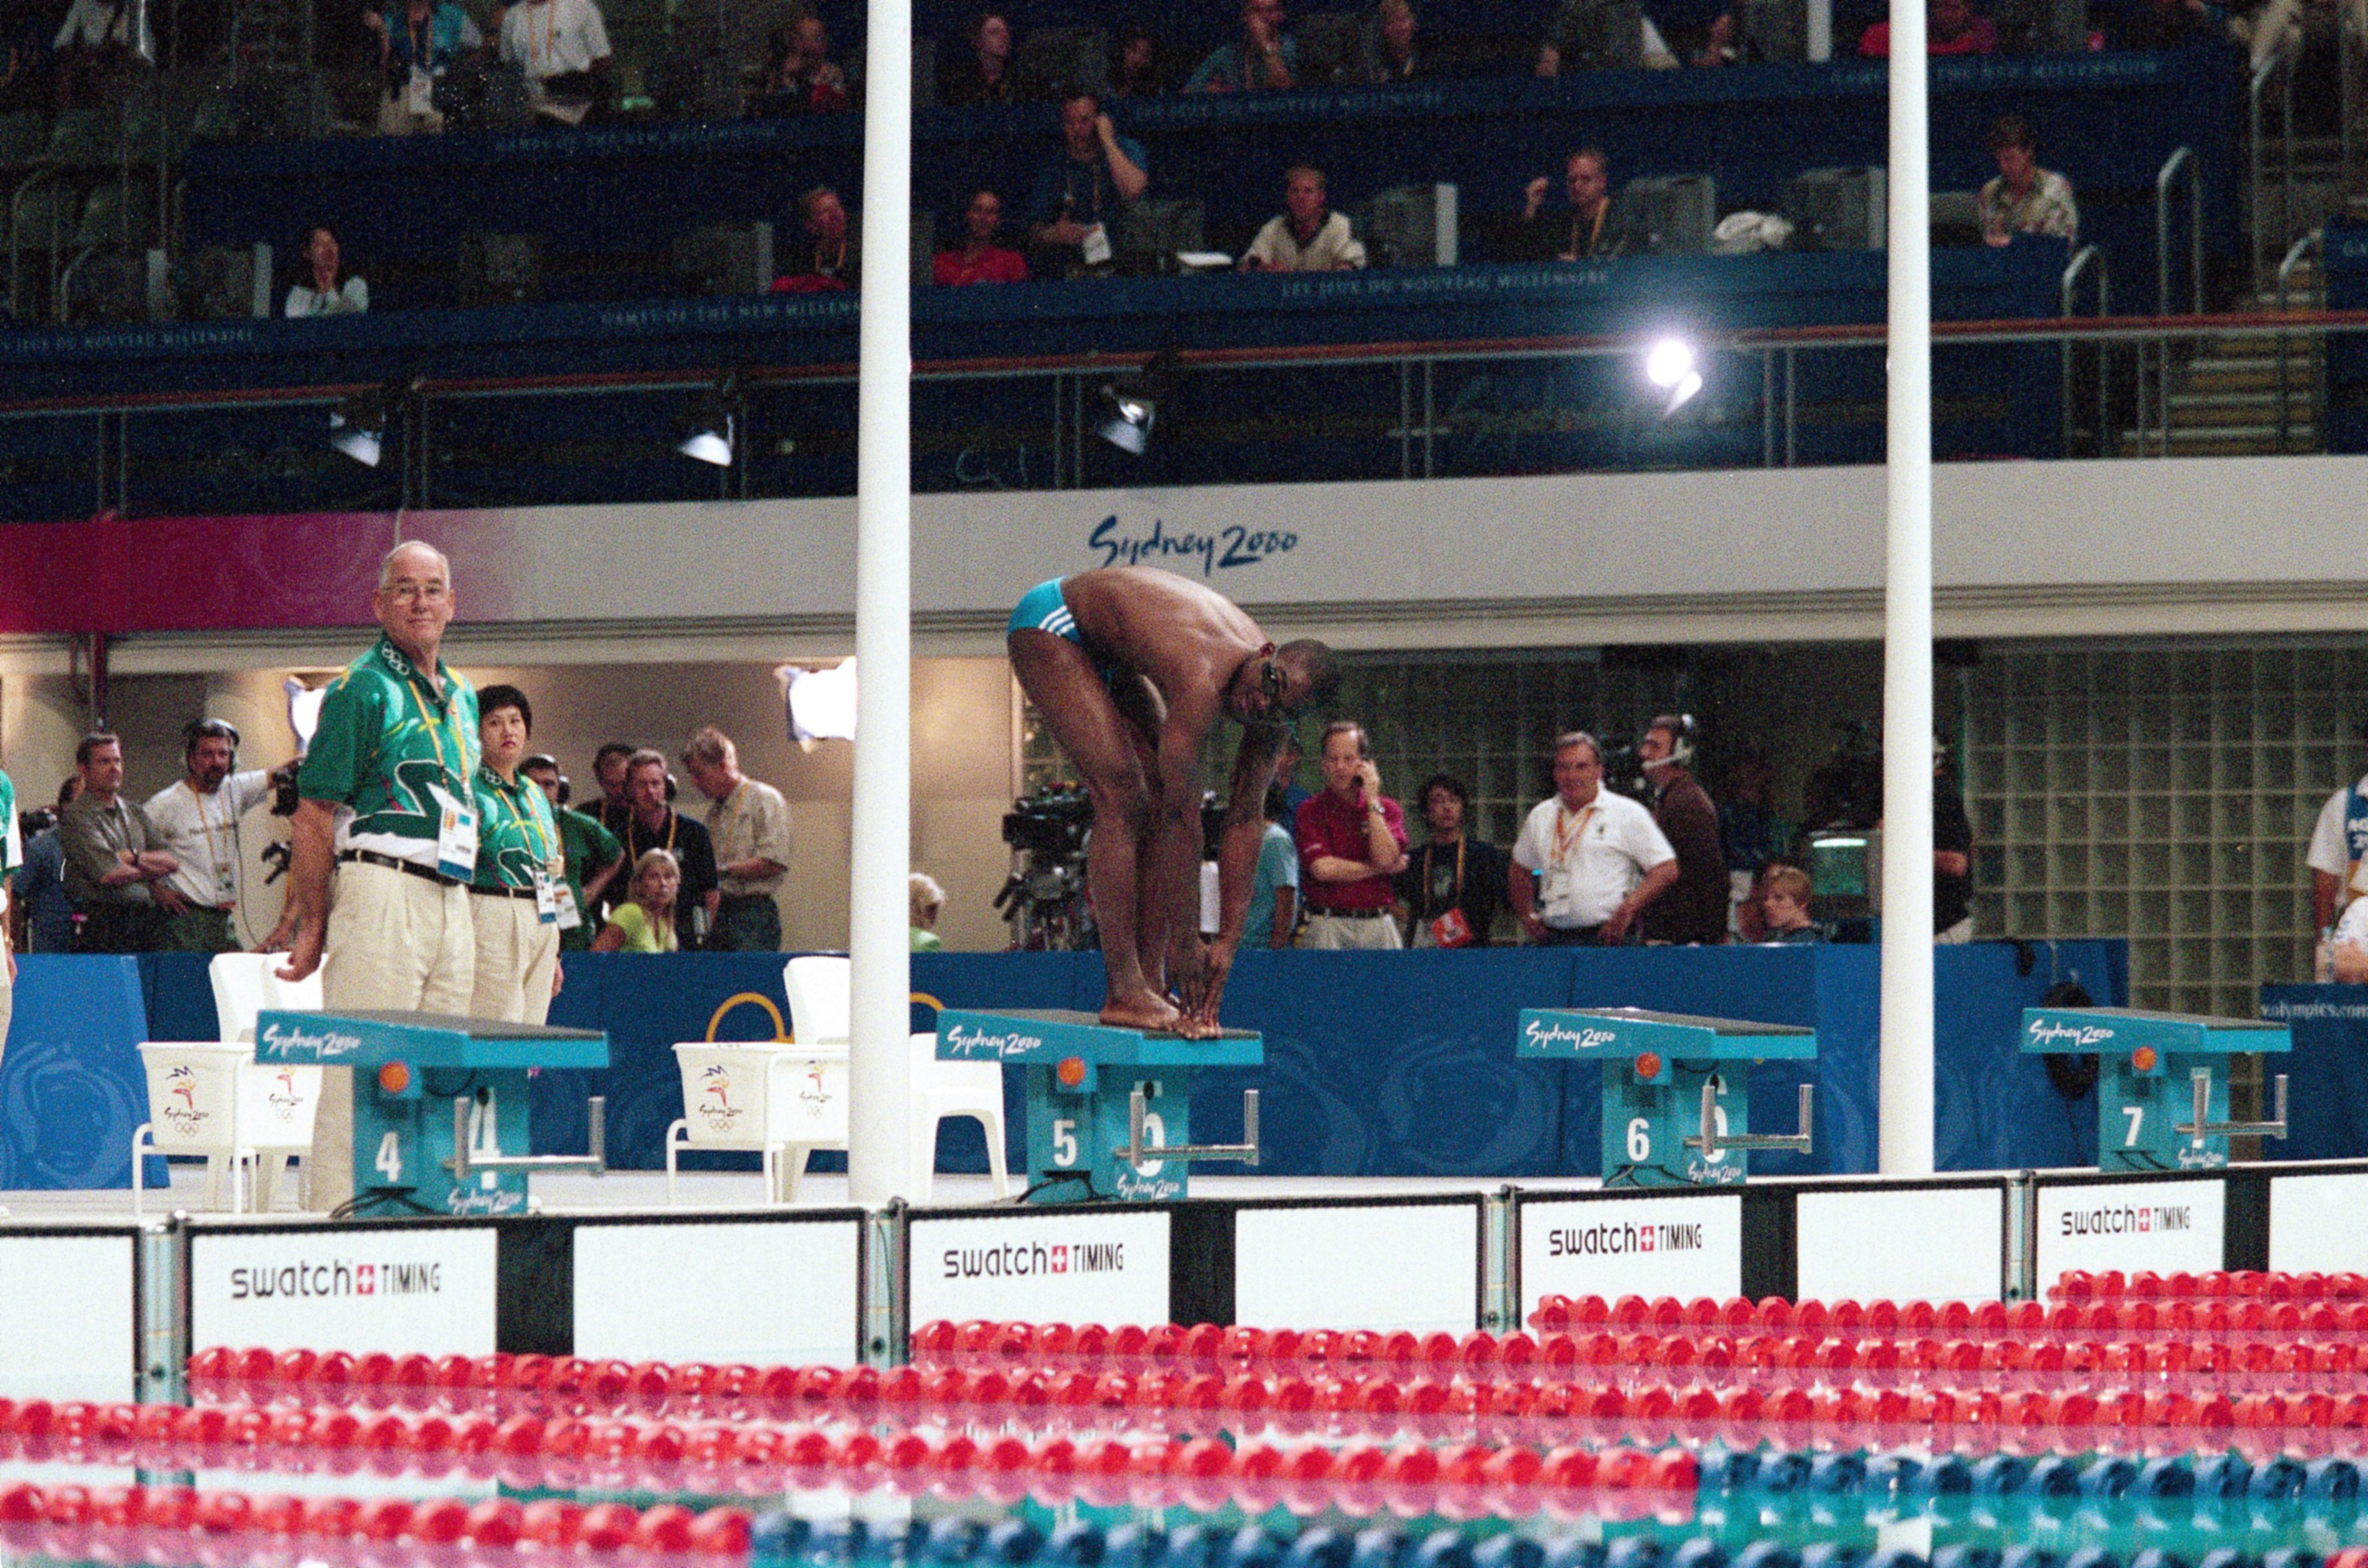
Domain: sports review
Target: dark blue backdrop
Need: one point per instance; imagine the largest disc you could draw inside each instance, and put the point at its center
(2326, 1088)
(1389, 1064)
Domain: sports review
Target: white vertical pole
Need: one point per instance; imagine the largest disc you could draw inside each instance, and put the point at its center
(1819, 29)
(1905, 1118)
(880, 1089)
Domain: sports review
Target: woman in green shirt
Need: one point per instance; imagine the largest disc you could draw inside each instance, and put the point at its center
(645, 922)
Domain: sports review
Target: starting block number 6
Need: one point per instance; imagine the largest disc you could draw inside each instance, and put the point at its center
(1640, 1140)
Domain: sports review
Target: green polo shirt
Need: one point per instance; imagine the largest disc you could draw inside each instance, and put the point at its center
(514, 832)
(588, 846)
(385, 746)
(12, 852)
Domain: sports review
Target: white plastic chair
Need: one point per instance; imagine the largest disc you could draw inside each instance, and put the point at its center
(779, 1101)
(277, 1101)
(818, 985)
(194, 1107)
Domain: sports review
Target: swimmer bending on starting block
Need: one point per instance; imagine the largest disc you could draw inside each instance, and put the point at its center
(1131, 667)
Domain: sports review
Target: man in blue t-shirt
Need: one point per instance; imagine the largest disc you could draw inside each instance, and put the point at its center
(1082, 192)
(1274, 887)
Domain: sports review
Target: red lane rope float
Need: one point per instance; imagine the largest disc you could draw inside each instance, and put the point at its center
(123, 1523)
(1154, 1471)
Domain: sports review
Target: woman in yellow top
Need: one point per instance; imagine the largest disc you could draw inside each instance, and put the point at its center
(645, 922)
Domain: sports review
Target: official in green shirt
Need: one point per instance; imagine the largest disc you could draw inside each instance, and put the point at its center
(595, 856)
(396, 747)
(514, 899)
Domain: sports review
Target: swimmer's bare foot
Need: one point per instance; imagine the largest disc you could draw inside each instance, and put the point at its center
(1145, 1012)
(1192, 1026)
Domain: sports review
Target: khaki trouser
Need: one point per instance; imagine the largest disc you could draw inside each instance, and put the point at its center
(517, 954)
(1338, 932)
(396, 943)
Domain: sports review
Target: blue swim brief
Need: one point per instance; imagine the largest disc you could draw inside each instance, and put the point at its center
(1041, 608)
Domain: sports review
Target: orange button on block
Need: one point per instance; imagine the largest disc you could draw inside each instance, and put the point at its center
(394, 1077)
(1071, 1072)
(2144, 1058)
(1649, 1065)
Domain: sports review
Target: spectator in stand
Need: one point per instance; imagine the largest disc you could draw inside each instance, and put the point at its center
(42, 904)
(748, 823)
(1570, 44)
(1274, 888)
(1784, 893)
(1693, 912)
(655, 824)
(1351, 841)
(12, 855)
(1083, 190)
(647, 921)
(985, 76)
(1142, 68)
(1750, 834)
(1308, 236)
(608, 772)
(2169, 24)
(195, 818)
(2024, 198)
(594, 857)
(114, 857)
(418, 42)
(1454, 886)
(832, 254)
(1951, 27)
(513, 895)
(924, 901)
(1264, 57)
(327, 290)
(1389, 45)
(562, 47)
(1593, 229)
(1286, 773)
(980, 259)
(1588, 861)
(799, 75)
(95, 50)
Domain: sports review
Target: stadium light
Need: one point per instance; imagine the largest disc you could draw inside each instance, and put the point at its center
(1130, 402)
(1669, 365)
(707, 428)
(357, 426)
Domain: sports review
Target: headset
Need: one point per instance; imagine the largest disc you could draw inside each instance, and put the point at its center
(1683, 733)
(197, 730)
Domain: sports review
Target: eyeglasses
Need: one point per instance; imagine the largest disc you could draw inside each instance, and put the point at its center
(1271, 683)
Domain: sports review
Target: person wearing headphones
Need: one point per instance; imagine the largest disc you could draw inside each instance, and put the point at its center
(655, 824)
(1694, 909)
(196, 817)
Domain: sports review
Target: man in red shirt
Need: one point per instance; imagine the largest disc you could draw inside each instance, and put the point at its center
(980, 260)
(1351, 842)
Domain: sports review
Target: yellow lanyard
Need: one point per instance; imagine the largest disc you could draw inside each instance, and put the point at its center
(431, 722)
(633, 827)
(1563, 845)
(206, 825)
(527, 820)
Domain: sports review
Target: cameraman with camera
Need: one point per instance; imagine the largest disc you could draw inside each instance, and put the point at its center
(196, 818)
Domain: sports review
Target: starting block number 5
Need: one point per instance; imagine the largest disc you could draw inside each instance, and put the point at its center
(1064, 1142)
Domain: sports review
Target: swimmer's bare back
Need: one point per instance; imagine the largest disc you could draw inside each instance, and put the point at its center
(1188, 639)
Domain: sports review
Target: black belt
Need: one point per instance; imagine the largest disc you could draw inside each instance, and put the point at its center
(722, 899)
(409, 867)
(476, 892)
(1351, 914)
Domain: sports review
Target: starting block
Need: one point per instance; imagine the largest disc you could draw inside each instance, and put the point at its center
(436, 1100)
(2151, 1069)
(1677, 1090)
(1108, 1109)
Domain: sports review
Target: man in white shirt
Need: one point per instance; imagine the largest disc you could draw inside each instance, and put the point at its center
(1587, 861)
(560, 44)
(750, 824)
(1309, 236)
(196, 818)
(2338, 848)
